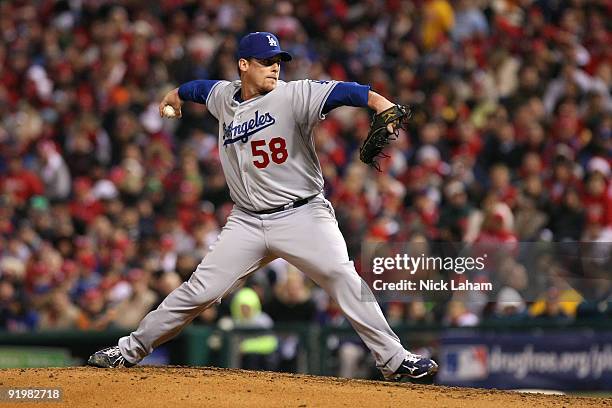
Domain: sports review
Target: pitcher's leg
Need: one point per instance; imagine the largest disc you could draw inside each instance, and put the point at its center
(239, 251)
(310, 240)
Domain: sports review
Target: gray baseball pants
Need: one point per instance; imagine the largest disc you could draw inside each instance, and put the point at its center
(307, 237)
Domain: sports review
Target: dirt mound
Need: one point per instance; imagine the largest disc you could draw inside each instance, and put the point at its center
(211, 387)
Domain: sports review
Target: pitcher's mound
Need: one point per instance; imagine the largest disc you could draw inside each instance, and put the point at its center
(214, 387)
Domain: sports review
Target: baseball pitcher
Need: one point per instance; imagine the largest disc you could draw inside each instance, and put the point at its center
(268, 156)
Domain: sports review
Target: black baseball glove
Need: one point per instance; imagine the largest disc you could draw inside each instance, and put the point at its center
(379, 135)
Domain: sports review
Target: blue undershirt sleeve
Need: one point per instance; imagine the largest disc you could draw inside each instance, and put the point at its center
(347, 94)
(196, 91)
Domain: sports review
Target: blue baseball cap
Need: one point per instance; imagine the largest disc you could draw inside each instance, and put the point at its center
(261, 45)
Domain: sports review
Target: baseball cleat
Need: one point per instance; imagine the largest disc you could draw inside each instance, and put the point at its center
(416, 366)
(109, 357)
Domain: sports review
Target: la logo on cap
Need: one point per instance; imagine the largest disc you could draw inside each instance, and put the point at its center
(271, 41)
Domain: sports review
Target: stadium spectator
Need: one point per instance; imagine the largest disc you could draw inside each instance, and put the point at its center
(550, 308)
(510, 303)
(419, 312)
(138, 303)
(60, 313)
(291, 303)
(257, 351)
(458, 315)
(19, 183)
(454, 215)
(95, 314)
(54, 172)
(469, 21)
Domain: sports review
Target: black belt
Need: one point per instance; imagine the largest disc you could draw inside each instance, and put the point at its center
(293, 204)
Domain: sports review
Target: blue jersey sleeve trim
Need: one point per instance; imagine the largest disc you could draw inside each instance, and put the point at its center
(347, 94)
(196, 91)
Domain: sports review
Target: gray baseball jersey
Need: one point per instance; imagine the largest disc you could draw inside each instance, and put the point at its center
(266, 145)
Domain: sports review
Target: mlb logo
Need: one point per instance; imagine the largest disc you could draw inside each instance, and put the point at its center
(464, 363)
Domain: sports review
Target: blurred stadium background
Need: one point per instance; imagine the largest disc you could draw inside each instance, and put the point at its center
(105, 208)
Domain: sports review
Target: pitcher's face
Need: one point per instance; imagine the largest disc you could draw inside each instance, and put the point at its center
(262, 73)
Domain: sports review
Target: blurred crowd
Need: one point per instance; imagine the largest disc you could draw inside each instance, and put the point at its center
(105, 207)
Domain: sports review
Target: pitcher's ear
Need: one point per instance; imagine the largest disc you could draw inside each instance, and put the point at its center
(243, 64)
